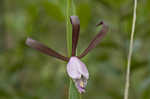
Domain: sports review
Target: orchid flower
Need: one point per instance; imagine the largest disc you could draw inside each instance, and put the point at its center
(76, 69)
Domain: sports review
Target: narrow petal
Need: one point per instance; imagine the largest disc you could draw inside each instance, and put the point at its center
(44, 49)
(96, 39)
(75, 33)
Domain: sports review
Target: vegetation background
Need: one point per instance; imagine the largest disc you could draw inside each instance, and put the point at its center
(28, 74)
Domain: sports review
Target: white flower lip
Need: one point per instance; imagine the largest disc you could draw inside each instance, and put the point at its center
(78, 72)
(76, 68)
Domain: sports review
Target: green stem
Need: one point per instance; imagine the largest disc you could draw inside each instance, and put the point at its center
(73, 8)
(127, 84)
(68, 27)
(73, 93)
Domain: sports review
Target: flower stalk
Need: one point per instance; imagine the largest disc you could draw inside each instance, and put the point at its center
(127, 83)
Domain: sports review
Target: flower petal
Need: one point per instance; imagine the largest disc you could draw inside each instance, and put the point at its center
(75, 33)
(73, 68)
(76, 68)
(78, 86)
(83, 69)
(81, 84)
(96, 40)
(44, 49)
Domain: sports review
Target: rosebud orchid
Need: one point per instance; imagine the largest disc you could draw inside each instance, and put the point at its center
(76, 69)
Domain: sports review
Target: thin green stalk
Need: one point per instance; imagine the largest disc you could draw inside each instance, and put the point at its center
(73, 7)
(68, 28)
(73, 94)
(126, 92)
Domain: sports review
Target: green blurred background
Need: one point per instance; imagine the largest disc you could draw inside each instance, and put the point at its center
(28, 74)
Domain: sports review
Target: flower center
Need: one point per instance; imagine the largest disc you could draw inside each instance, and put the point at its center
(81, 84)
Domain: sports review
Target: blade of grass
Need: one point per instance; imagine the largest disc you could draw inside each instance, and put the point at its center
(127, 84)
(73, 93)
